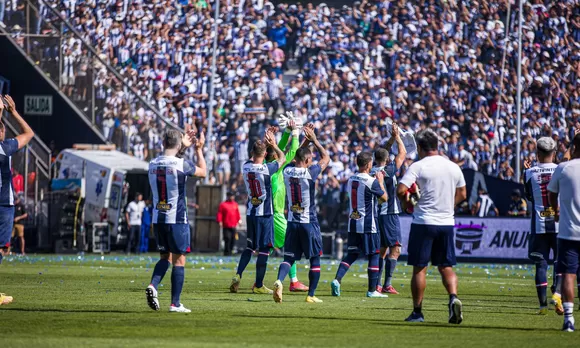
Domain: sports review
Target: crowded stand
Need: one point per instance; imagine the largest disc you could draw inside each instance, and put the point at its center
(350, 70)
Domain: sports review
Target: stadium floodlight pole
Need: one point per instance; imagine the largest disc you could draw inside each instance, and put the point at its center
(211, 82)
(519, 93)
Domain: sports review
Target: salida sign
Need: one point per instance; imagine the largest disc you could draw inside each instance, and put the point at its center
(38, 105)
(485, 237)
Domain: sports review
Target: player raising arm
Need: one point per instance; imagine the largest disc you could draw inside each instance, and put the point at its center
(432, 235)
(279, 195)
(260, 221)
(167, 177)
(7, 148)
(389, 224)
(303, 231)
(365, 193)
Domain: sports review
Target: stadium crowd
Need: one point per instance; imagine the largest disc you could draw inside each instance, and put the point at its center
(449, 65)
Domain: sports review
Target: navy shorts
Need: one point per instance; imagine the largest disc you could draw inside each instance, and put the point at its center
(542, 244)
(302, 239)
(260, 232)
(568, 256)
(6, 225)
(390, 228)
(364, 243)
(431, 243)
(172, 238)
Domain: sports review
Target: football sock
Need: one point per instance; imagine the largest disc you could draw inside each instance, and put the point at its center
(244, 260)
(1, 256)
(284, 269)
(381, 266)
(313, 275)
(569, 311)
(373, 272)
(348, 260)
(452, 297)
(556, 279)
(293, 278)
(159, 272)
(261, 266)
(177, 278)
(542, 282)
(417, 310)
(390, 265)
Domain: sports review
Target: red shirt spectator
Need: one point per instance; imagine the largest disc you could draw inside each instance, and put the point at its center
(17, 182)
(228, 213)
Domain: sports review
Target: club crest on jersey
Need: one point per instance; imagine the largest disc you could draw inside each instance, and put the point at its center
(256, 201)
(355, 215)
(297, 209)
(163, 206)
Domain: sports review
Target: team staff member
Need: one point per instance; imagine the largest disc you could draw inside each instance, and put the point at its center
(19, 215)
(7, 148)
(565, 184)
(432, 230)
(228, 217)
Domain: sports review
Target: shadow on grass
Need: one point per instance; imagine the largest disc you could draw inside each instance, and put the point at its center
(402, 323)
(56, 310)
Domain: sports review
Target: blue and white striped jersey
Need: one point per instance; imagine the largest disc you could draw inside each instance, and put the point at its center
(536, 180)
(7, 148)
(393, 205)
(363, 192)
(258, 180)
(301, 192)
(167, 177)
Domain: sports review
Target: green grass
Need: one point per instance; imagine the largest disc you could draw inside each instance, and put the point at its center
(94, 301)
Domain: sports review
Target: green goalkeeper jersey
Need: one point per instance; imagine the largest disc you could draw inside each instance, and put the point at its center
(278, 188)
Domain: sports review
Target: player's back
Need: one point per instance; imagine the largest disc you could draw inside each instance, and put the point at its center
(536, 181)
(566, 181)
(363, 190)
(300, 191)
(258, 181)
(7, 148)
(392, 205)
(167, 177)
(437, 178)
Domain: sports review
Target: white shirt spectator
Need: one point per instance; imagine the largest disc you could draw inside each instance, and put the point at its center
(135, 211)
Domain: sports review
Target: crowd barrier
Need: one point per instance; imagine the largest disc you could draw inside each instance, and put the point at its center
(484, 238)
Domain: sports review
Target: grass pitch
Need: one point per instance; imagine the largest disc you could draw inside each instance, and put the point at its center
(94, 301)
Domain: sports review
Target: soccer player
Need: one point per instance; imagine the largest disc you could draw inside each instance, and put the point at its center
(167, 176)
(303, 232)
(279, 196)
(432, 234)
(260, 223)
(7, 148)
(364, 191)
(389, 224)
(565, 183)
(544, 229)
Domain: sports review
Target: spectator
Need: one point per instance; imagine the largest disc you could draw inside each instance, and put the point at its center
(484, 207)
(229, 218)
(518, 206)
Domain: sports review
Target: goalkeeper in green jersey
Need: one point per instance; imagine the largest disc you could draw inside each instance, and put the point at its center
(279, 195)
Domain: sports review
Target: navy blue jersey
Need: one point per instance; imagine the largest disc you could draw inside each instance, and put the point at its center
(300, 189)
(363, 191)
(392, 205)
(167, 177)
(7, 148)
(258, 180)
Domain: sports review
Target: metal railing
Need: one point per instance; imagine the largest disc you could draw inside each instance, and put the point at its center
(82, 73)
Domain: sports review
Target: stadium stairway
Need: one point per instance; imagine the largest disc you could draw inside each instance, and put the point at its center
(34, 49)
